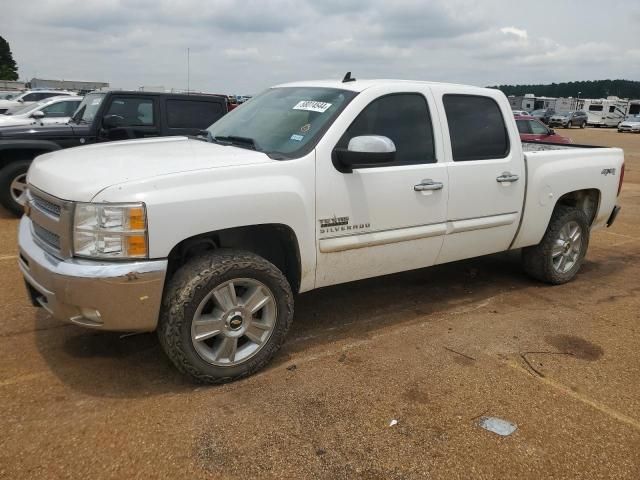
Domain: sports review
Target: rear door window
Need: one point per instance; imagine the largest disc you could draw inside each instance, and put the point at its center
(476, 128)
(192, 113)
(135, 111)
(537, 128)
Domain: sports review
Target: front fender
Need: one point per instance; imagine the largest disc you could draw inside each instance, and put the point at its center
(181, 206)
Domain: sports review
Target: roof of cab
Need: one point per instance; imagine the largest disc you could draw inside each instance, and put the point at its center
(360, 85)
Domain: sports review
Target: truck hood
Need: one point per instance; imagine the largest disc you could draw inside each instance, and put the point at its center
(80, 173)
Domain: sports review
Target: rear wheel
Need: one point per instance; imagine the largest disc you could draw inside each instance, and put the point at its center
(225, 315)
(13, 183)
(559, 256)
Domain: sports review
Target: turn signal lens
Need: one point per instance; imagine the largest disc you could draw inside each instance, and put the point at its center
(136, 218)
(137, 246)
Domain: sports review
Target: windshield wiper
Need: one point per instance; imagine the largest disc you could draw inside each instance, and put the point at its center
(243, 142)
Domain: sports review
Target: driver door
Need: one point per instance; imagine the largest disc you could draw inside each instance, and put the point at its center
(377, 220)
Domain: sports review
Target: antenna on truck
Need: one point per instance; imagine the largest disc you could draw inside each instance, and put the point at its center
(347, 78)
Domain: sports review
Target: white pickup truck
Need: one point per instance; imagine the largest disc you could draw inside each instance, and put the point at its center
(310, 184)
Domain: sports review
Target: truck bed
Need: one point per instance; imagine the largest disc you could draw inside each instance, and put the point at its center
(542, 146)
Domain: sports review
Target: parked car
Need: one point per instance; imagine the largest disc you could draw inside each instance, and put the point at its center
(569, 119)
(29, 97)
(533, 130)
(102, 117)
(310, 184)
(631, 124)
(519, 113)
(45, 112)
(544, 114)
(9, 94)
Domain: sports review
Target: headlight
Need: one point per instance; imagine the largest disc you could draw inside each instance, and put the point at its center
(110, 230)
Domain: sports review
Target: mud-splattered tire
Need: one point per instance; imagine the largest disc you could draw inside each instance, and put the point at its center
(240, 294)
(559, 256)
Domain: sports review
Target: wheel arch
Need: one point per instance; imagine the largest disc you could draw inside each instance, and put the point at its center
(11, 151)
(275, 242)
(587, 200)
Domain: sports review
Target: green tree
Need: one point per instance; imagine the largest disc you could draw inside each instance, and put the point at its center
(8, 67)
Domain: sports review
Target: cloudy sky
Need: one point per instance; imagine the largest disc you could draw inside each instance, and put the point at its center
(243, 46)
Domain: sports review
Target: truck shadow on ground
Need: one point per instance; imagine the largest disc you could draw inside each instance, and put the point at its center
(114, 365)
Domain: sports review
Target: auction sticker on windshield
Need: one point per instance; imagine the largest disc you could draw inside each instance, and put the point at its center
(312, 106)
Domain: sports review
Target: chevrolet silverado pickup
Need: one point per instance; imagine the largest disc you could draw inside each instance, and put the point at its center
(102, 117)
(208, 239)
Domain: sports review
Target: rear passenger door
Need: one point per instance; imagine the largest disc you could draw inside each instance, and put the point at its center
(486, 176)
(188, 116)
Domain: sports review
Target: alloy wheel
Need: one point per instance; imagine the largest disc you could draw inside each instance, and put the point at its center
(567, 247)
(233, 322)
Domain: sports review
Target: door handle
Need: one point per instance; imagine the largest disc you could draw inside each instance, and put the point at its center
(427, 185)
(507, 177)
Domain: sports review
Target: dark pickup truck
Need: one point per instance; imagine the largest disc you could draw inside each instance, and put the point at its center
(103, 117)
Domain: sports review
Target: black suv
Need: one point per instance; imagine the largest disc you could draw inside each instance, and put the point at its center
(103, 117)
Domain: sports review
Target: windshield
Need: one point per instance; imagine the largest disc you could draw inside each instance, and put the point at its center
(88, 108)
(282, 122)
(538, 112)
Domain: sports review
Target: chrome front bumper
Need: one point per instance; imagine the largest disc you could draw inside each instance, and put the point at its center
(104, 295)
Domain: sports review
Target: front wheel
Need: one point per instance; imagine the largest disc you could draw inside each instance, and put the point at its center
(225, 315)
(13, 183)
(559, 256)
(583, 124)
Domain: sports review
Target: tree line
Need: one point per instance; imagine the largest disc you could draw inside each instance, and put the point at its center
(587, 89)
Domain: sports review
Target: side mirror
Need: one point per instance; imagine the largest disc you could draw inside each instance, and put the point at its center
(365, 151)
(551, 131)
(112, 121)
(38, 115)
(20, 100)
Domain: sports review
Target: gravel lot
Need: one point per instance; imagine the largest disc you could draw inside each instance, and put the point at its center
(434, 349)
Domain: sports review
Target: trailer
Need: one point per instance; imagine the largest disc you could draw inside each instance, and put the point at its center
(605, 112)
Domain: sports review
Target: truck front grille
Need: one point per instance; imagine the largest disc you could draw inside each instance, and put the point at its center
(46, 205)
(51, 222)
(50, 238)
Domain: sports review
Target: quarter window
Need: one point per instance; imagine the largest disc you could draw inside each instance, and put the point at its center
(476, 128)
(405, 119)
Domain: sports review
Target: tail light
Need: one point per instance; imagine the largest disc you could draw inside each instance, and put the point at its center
(621, 179)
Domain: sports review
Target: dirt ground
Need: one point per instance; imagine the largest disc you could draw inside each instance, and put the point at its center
(434, 349)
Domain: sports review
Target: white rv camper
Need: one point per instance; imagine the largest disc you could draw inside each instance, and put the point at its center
(605, 112)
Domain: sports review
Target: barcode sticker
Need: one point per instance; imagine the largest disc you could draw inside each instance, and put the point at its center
(312, 106)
